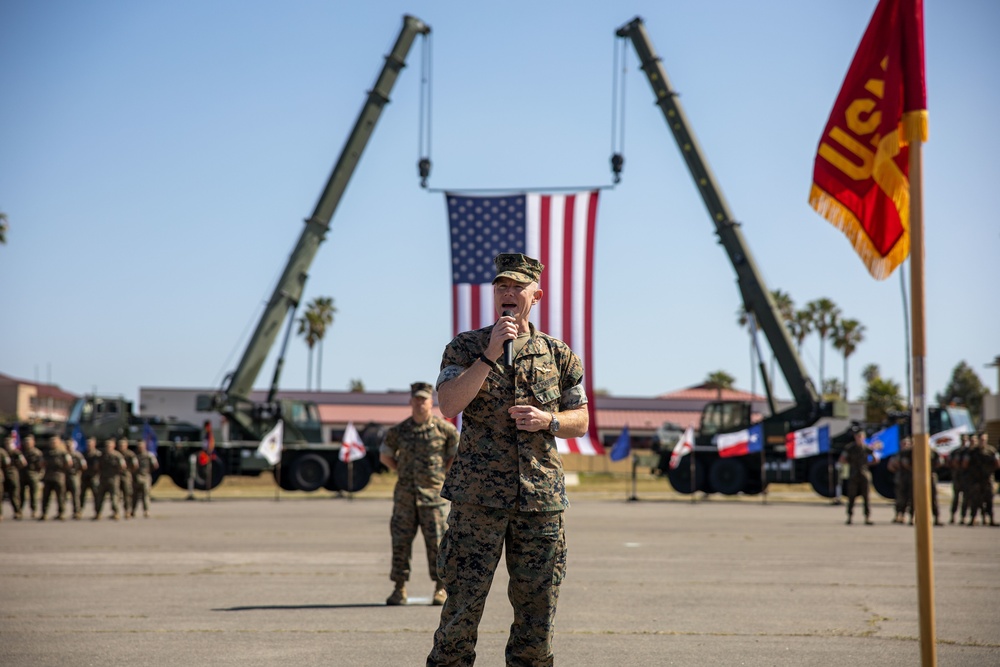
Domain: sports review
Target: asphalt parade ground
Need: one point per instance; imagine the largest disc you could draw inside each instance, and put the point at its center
(658, 581)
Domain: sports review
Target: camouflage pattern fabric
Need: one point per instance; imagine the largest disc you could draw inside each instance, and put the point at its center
(420, 451)
(959, 490)
(982, 462)
(508, 492)
(112, 465)
(535, 548)
(142, 482)
(859, 479)
(90, 477)
(73, 482)
(12, 480)
(57, 462)
(131, 463)
(31, 477)
(498, 465)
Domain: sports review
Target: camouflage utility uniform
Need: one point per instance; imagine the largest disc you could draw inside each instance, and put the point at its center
(142, 481)
(73, 481)
(420, 451)
(111, 468)
(959, 480)
(57, 463)
(12, 478)
(131, 463)
(859, 479)
(91, 476)
(508, 494)
(31, 476)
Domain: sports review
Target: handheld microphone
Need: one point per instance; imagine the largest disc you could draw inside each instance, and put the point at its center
(508, 345)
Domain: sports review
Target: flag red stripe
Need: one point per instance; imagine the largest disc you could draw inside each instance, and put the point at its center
(568, 334)
(545, 211)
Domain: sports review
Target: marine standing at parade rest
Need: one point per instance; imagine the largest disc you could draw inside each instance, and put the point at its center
(31, 476)
(979, 465)
(959, 486)
(142, 478)
(57, 463)
(91, 474)
(421, 450)
(131, 463)
(855, 455)
(74, 480)
(507, 486)
(12, 476)
(111, 468)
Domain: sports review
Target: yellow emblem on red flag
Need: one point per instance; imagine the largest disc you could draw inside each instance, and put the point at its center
(861, 175)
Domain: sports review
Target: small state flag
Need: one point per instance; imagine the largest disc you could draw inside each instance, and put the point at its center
(683, 446)
(622, 446)
(149, 437)
(946, 442)
(352, 449)
(884, 443)
(79, 442)
(747, 441)
(808, 442)
(15, 433)
(270, 447)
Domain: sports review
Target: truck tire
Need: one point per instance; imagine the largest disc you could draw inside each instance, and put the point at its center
(819, 477)
(883, 480)
(358, 476)
(680, 477)
(284, 479)
(180, 477)
(201, 481)
(728, 476)
(310, 472)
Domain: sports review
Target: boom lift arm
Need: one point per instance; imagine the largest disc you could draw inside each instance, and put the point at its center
(756, 297)
(288, 291)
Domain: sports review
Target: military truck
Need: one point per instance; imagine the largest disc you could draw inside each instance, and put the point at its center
(749, 473)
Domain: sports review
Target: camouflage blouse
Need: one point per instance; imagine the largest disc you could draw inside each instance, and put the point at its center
(420, 451)
(498, 465)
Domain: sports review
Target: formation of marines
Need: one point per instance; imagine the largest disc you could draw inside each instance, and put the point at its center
(972, 466)
(32, 479)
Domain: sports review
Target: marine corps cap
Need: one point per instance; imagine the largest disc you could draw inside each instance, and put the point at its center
(517, 267)
(421, 390)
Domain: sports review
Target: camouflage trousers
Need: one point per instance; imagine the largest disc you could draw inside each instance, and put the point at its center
(73, 492)
(407, 516)
(126, 493)
(857, 485)
(88, 483)
(12, 485)
(30, 484)
(106, 487)
(58, 488)
(535, 547)
(140, 492)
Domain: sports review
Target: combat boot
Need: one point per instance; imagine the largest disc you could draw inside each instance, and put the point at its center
(848, 522)
(868, 522)
(398, 596)
(440, 595)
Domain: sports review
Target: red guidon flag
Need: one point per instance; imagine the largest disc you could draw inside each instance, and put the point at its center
(861, 176)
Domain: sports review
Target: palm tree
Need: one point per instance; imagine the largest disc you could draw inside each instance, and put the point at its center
(3, 228)
(871, 372)
(847, 335)
(357, 386)
(824, 315)
(786, 308)
(745, 318)
(307, 329)
(800, 326)
(720, 380)
(322, 310)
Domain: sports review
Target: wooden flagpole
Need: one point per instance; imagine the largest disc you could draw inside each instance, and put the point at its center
(918, 419)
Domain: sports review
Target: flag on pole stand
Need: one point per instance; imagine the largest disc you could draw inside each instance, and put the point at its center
(79, 442)
(270, 450)
(621, 449)
(868, 182)
(149, 437)
(807, 442)
(748, 441)
(351, 449)
(683, 446)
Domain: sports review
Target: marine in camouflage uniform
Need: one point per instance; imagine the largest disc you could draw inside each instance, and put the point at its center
(507, 486)
(31, 475)
(111, 468)
(12, 476)
(92, 473)
(959, 478)
(420, 449)
(980, 464)
(74, 481)
(57, 463)
(142, 478)
(131, 463)
(855, 455)
(902, 478)
(906, 460)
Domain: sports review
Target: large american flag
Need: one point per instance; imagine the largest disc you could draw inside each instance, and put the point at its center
(556, 229)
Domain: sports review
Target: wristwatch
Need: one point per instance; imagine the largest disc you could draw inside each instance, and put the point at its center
(554, 425)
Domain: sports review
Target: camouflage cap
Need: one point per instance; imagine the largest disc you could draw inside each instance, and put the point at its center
(421, 390)
(517, 267)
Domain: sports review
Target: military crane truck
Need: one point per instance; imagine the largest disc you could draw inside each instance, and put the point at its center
(751, 473)
(307, 463)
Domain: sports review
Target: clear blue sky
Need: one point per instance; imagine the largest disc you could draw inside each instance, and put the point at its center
(157, 158)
